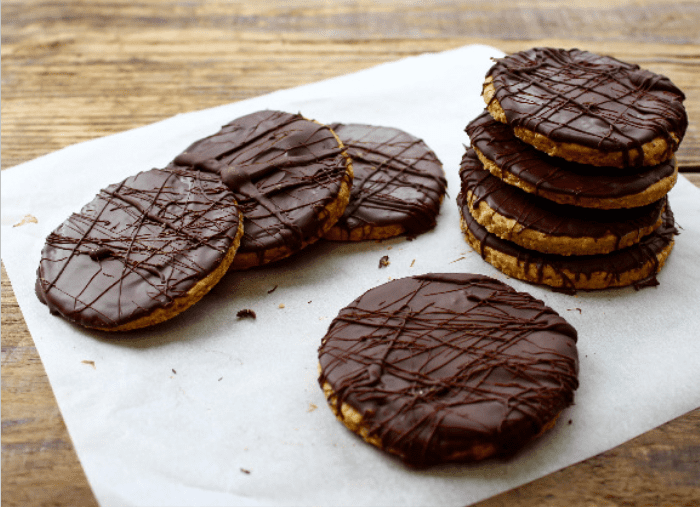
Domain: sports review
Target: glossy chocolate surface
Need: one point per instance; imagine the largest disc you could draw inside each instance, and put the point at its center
(136, 247)
(440, 363)
(283, 169)
(552, 175)
(548, 217)
(398, 179)
(591, 100)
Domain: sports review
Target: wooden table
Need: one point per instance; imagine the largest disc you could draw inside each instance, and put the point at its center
(74, 70)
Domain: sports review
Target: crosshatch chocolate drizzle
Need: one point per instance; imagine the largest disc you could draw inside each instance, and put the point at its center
(439, 363)
(138, 246)
(594, 101)
(398, 180)
(283, 169)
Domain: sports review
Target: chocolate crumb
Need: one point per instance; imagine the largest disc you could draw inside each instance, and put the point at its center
(245, 471)
(174, 371)
(246, 313)
(272, 289)
(384, 262)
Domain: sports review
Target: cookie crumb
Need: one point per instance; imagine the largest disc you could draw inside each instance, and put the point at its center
(91, 363)
(413, 262)
(246, 313)
(281, 305)
(384, 262)
(312, 407)
(457, 260)
(28, 219)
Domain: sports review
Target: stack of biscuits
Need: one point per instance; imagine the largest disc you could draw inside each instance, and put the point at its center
(565, 182)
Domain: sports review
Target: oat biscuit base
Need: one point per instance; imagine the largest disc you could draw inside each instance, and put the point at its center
(416, 368)
(519, 164)
(141, 252)
(292, 178)
(587, 108)
(398, 184)
(636, 265)
(539, 224)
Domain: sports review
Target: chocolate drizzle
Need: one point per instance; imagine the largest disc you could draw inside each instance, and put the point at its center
(548, 217)
(439, 365)
(283, 169)
(398, 180)
(138, 246)
(595, 101)
(560, 180)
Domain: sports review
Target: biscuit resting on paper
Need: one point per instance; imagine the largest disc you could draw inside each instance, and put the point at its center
(142, 251)
(398, 184)
(448, 367)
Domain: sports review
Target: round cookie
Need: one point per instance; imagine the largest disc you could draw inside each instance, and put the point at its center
(519, 164)
(141, 251)
(398, 184)
(539, 224)
(291, 177)
(635, 265)
(587, 108)
(448, 367)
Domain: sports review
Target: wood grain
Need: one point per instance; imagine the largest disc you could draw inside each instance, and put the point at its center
(75, 70)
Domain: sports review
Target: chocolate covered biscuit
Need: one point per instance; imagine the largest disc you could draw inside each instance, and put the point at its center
(448, 367)
(587, 108)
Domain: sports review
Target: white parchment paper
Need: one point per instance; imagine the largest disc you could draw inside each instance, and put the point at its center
(208, 409)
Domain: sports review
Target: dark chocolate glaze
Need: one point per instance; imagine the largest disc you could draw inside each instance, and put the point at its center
(614, 264)
(591, 100)
(283, 169)
(549, 217)
(398, 179)
(552, 175)
(439, 363)
(136, 247)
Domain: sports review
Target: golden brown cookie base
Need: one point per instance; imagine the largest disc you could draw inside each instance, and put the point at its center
(564, 278)
(654, 152)
(352, 420)
(651, 194)
(197, 292)
(510, 230)
(367, 232)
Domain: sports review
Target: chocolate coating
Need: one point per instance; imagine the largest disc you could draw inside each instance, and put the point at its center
(283, 170)
(596, 101)
(575, 183)
(136, 247)
(398, 180)
(548, 217)
(441, 363)
(614, 264)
